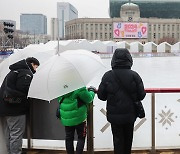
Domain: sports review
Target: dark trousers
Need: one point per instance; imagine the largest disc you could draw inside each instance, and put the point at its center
(81, 130)
(122, 138)
(14, 127)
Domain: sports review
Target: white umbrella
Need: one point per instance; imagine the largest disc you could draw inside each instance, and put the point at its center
(42, 56)
(64, 73)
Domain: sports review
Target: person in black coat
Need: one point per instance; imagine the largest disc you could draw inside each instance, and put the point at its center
(16, 84)
(120, 108)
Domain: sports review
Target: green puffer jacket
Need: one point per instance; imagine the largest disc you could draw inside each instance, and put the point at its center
(71, 114)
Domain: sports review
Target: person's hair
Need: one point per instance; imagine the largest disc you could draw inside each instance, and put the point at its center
(32, 60)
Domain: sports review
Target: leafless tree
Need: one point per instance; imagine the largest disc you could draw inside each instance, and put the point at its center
(168, 39)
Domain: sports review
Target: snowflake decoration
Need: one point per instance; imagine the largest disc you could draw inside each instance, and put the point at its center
(166, 117)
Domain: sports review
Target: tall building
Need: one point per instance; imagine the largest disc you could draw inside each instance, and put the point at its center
(148, 8)
(65, 12)
(54, 28)
(33, 23)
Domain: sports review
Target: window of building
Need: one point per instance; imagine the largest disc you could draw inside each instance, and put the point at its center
(168, 27)
(96, 26)
(69, 30)
(172, 27)
(130, 12)
(86, 35)
(77, 35)
(105, 26)
(149, 27)
(110, 26)
(91, 26)
(110, 35)
(178, 27)
(87, 26)
(96, 35)
(154, 27)
(172, 35)
(159, 27)
(100, 26)
(163, 27)
(78, 27)
(154, 35)
(81, 26)
(149, 36)
(91, 36)
(105, 35)
(100, 35)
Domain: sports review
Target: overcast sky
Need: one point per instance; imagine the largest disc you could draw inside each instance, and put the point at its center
(11, 9)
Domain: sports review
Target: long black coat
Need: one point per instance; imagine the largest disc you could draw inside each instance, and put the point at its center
(120, 108)
(18, 79)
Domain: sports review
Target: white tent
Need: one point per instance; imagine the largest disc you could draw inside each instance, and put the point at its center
(123, 44)
(164, 47)
(51, 45)
(110, 46)
(98, 46)
(83, 44)
(67, 45)
(136, 47)
(175, 47)
(150, 47)
(41, 46)
(63, 45)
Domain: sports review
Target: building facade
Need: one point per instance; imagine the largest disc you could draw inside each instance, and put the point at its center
(148, 8)
(104, 28)
(65, 12)
(54, 28)
(33, 23)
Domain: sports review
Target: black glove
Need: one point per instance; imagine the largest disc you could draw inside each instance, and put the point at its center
(91, 88)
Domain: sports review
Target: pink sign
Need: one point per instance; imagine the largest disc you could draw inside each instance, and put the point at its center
(130, 30)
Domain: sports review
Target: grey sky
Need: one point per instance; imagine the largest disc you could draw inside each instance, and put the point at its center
(11, 9)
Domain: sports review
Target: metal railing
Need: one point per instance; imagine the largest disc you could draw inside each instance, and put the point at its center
(90, 128)
(153, 91)
(90, 134)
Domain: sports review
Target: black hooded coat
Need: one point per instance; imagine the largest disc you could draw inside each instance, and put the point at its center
(120, 107)
(18, 79)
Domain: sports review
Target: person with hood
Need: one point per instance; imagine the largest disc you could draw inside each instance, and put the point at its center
(73, 115)
(12, 115)
(120, 97)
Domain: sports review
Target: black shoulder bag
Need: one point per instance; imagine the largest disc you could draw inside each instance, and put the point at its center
(139, 109)
(58, 113)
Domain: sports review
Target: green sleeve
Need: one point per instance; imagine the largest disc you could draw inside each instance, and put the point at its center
(86, 96)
